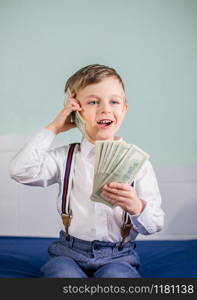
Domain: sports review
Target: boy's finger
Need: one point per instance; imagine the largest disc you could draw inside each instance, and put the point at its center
(121, 186)
(116, 192)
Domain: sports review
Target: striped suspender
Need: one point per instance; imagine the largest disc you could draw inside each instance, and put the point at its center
(67, 213)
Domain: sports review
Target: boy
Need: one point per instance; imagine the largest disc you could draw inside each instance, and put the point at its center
(90, 246)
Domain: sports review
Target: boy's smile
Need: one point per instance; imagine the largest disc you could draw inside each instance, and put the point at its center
(103, 108)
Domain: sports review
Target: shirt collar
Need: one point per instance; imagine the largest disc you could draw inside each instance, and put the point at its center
(87, 147)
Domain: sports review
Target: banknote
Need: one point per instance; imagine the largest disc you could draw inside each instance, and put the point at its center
(76, 117)
(81, 124)
(115, 162)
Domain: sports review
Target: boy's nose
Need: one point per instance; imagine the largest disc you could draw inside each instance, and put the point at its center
(105, 107)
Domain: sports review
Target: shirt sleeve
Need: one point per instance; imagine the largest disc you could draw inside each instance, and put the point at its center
(151, 220)
(35, 164)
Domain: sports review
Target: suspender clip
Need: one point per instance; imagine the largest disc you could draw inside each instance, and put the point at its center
(66, 219)
(125, 230)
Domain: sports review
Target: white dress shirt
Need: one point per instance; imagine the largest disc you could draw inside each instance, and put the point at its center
(38, 165)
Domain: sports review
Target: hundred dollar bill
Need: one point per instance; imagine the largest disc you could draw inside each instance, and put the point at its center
(114, 153)
(102, 160)
(123, 168)
(104, 152)
(79, 121)
(76, 117)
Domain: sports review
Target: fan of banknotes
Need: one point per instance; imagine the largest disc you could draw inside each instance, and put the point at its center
(115, 161)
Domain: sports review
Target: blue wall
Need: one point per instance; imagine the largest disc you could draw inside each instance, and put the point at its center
(151, 43)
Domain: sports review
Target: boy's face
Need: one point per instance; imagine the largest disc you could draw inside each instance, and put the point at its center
(103, 108)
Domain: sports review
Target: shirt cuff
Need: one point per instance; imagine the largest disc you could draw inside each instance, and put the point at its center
(142, 222)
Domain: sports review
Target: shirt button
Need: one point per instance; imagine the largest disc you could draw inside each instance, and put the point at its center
(150, 229)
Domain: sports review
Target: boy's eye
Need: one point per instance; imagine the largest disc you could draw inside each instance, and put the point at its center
(93, 102)
(96, 102)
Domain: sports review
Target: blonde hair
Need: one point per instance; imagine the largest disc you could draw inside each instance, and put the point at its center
(89, 75)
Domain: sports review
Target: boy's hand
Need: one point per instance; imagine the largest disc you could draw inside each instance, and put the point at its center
(125, 196)
(63, 121)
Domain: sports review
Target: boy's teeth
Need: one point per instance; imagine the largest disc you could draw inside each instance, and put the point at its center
(105, 121)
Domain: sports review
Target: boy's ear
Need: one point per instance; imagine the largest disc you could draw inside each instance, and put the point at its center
(126, 107)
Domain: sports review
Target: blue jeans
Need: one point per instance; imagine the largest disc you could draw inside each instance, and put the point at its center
(71, 257)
